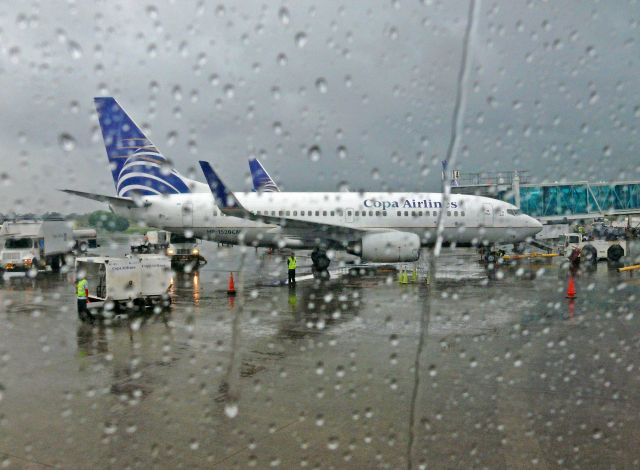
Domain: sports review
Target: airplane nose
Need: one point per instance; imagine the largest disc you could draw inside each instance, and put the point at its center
(535, 224)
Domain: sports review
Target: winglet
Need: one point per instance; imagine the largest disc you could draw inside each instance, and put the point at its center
(224, 197)
(262, 182)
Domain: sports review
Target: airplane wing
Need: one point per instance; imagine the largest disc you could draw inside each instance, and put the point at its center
(120, 201)
(230, 206)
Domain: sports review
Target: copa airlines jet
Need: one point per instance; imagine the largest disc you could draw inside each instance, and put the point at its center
(378, 227)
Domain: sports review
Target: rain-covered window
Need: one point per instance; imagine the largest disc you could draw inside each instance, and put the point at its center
(460, 289)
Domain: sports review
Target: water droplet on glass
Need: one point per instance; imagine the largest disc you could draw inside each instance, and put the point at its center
(314, 153)
(67, 142)
(74, 49)
(321, 85)
(152, 11)
(14, 54)
(231, 410)
(229, 90)
(177, 93)
(21, 20)
(283, 14)
(342, 152)
(282, 59)
(277, 128)
(301, 39)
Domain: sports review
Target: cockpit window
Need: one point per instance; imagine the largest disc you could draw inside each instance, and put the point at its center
(514, 211)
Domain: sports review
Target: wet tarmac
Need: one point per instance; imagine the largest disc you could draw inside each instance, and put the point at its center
(356, 372)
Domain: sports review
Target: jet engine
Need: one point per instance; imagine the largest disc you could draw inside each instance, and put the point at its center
(387, 247)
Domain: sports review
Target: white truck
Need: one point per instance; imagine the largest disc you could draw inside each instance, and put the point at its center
(134, 280)
(84, 239)
(593, 250)
(26, 244)
(154, 241)
(184, 252)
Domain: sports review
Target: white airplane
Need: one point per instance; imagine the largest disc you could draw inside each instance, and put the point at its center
(378, 227)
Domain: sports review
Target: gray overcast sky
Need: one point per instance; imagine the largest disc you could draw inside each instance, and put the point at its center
(553, 88)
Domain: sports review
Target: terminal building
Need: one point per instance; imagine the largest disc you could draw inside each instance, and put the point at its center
(556, 201)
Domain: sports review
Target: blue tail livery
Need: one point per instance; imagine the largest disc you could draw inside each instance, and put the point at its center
(262, 182)
(138, 168)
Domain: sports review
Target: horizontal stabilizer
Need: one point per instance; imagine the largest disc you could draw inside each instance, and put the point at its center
(120, 201)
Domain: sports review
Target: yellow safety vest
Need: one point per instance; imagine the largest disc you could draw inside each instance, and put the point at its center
(292, 262)
(80, 288)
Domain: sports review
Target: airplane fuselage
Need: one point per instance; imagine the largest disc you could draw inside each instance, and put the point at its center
(468, 220)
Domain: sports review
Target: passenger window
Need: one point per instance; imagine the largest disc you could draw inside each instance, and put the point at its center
(288, 213)
(349, 213)
(281, 213)
(399, 213)
(435, 213)
(377, 213)
(455, 213)
(333, 213)
(273, 213)
(406, 213)
(371, 213)
(357, 213)
(462, 213)
(448, 213)
(317, 213)
(324, 213)
(295, 213)
(384, 213)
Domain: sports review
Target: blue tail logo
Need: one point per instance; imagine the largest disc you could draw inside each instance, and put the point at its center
(262, 182)
(136, 164)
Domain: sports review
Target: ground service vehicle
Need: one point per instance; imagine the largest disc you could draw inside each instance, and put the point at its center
(184, 252)
(84, 238)
(593, 250)
(154, 241)
(133, 280)
(35, 243)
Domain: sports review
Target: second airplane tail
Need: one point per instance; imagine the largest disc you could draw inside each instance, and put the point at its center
(262, 182)
(137, 167)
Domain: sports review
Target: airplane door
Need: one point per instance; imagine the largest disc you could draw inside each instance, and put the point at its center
(348, 216)
(486, 218)
(187, 214)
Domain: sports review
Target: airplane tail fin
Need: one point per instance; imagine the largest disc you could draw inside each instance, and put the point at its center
(223, 196)
(262, 182)
(137, 167)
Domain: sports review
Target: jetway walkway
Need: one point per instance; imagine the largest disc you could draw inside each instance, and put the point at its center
(566, 200)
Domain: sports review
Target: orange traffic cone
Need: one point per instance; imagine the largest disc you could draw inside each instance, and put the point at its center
(571, 289)
(232, 287)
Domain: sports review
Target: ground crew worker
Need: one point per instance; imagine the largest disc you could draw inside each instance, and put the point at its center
(291, 264)
(82, 295)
